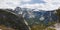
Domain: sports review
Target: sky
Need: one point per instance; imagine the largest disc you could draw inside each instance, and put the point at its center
(47, 5)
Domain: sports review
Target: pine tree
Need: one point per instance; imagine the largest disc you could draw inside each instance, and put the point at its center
(58, 14)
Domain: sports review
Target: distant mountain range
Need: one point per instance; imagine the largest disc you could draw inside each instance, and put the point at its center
(35, 16)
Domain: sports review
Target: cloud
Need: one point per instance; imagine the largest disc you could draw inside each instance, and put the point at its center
(54, 4)
(40, 6)
(48, 5)
(9, 3)
(26, 0)
(30, 5)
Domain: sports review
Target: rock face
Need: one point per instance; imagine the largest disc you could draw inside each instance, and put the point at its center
(12, 20)
(36, 16)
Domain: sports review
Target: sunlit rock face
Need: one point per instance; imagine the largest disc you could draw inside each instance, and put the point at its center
(12, 20)
(36, 16)
(41, 17)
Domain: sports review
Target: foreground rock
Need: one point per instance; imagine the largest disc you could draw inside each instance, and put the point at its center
(12, 20)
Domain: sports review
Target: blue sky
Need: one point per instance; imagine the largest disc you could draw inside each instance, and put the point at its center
(34, 4)
(35, 1)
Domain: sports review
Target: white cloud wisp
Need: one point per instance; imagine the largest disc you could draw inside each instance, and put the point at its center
(48, 6)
